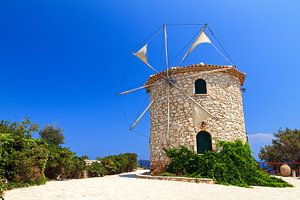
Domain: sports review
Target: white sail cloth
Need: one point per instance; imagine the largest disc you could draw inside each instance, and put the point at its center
(201, 39)
(142, 54)
(200, 115)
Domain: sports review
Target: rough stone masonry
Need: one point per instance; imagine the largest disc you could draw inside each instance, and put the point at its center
(223, 100)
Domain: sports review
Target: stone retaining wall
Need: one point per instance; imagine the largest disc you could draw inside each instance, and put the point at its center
(172, 178)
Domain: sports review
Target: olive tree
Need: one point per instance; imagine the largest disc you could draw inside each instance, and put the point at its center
(284, 148)
(52, 135)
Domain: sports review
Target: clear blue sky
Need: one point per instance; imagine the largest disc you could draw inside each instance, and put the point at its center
(62, 62)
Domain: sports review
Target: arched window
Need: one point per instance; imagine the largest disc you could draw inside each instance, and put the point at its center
(200, 86)
(203, 142)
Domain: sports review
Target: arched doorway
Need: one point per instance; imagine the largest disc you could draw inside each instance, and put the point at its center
(203, 142)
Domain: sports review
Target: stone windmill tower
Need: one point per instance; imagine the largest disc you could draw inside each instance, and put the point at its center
(193, 106)
(217, 89)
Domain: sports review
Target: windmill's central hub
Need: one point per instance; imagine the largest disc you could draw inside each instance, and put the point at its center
(171, 81)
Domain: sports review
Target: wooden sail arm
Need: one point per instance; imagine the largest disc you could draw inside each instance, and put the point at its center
(131, 90)
(193, 100)
(135, 89)
(141, 116)
(174, 85)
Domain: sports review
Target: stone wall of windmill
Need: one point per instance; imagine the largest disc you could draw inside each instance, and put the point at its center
(223, 100)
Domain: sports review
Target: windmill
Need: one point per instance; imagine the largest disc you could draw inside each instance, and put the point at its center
(170, 81)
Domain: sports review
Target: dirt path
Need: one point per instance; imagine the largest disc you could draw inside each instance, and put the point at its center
(127, 187)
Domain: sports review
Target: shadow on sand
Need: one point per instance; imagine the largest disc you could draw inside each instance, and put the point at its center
(128, 175)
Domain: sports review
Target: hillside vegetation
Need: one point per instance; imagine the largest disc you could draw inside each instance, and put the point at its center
(26, 161)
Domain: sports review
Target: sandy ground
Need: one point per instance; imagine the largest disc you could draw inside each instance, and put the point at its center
(127, 187)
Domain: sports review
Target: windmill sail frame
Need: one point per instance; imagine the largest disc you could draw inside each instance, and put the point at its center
(169, 80)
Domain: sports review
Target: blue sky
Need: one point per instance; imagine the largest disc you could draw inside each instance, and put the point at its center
(62, 63)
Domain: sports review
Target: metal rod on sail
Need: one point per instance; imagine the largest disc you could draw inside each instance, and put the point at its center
(164, 77)
(193, 100)
(135, 89)
(221, 45)
(168, 86)
(166, 47)
(132, 90)
(152, 68)
(141, 116)
(223, 56)
(187, 53)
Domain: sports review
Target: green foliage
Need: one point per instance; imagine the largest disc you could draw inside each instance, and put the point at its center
(58, 161)
(27, 166)
(63, 162)
(26, 161)
(119, 163)
(285, 147)
(132, 163)
(79, 166)
(232, 165)
(52, 135)
(111, 164)
(96, 169)
(184, 161)
(23, 129)
(22, 158)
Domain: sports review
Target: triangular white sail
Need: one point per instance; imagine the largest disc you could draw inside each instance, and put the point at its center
(142, 54)
(201, 39)
(200, 115)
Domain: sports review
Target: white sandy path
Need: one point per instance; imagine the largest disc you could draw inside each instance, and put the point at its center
(126, 187)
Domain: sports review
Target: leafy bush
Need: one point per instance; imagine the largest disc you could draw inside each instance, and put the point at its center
(232, 165)
(27, 166)
(22, 158)
(25, 161)
(58, 161)
(131, 163)
(96, 169)
(63, 163)
(79, 166)
(119, 163)
(183, 161)
(111, 164)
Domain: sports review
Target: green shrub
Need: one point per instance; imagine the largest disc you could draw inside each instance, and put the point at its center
(79, 165)
(25, 161)
(232, 165)
(27, 166)
(96, 169)
(184, 161)
(63, 162)
(119, 163)
(111, 164)
(131, 163)
(22, 158)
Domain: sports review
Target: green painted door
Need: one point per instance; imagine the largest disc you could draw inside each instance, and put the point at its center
(203, 142)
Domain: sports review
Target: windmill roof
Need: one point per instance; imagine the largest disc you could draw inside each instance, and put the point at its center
(197, 68)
